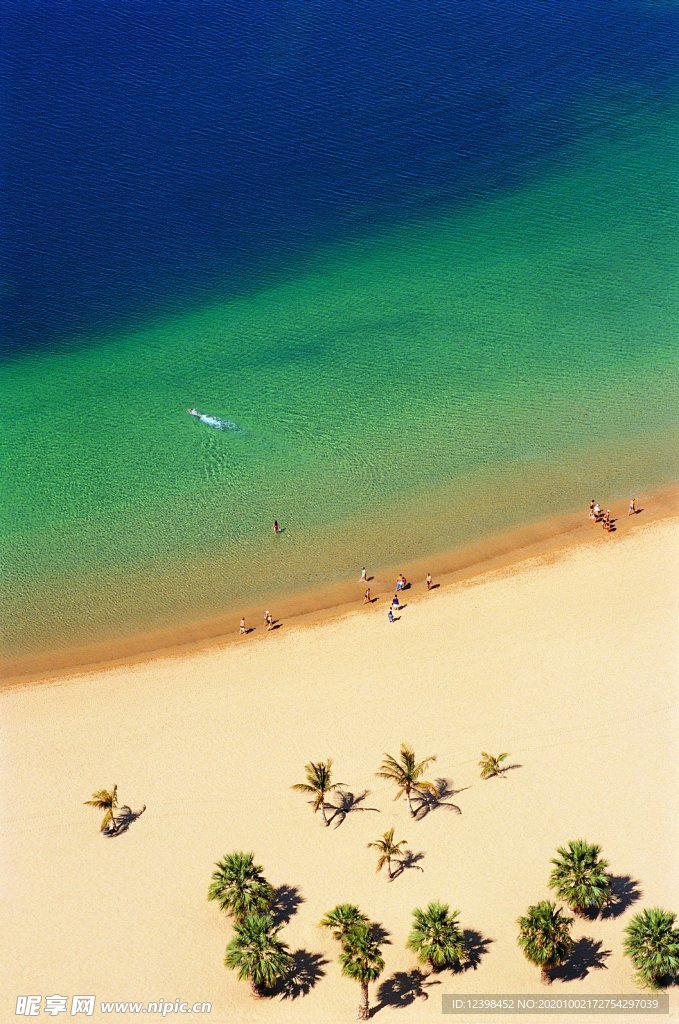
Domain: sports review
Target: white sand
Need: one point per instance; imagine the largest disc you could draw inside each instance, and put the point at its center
(569, 664)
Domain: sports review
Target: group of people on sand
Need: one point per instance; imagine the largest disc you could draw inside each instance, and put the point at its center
(599, 516)
(401, 585)
(595, 512)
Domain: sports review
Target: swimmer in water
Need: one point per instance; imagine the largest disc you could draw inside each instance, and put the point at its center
(276, 528)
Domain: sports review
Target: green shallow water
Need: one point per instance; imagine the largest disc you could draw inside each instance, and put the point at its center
(398, 397)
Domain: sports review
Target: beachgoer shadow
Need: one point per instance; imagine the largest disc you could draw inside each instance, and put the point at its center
(476, 948)
(285, 903)
(121, 820)
(439, 795)
(276, 624)
(369, 579)
(305, 971)
(407, 861)
(625, 891)
(435, 586)
(586, 955)
(348, 803)
(403, 988)
(396, 618)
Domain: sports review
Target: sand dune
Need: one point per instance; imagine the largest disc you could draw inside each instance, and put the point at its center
(570, 664)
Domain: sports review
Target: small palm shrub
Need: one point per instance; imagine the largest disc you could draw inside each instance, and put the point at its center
(492, 766)
(652, 944)
(544, 936)
(388, 850)
(436, 937)
(579, 876)
(406, 772)
(318, 783)
(105, 800)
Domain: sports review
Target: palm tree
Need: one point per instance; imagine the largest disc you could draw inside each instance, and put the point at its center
(318, 783)
(544, 936)
(257, 953)
(652, 944)
(436, 936)
(406, 773)
(491, 766)
(105, 800)
(361, 959)
(388, 849)
(239, 886)
(579, 876)
(342, 918)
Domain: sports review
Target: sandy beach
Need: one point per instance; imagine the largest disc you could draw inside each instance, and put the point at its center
(567, 660)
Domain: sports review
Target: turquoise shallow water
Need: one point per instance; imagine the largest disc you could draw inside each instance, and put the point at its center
(397, 397)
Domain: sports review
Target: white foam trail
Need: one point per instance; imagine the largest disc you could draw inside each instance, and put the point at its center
(214, 421)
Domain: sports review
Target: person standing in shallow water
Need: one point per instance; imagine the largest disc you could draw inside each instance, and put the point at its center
(632, 507)
(366, 597)
(364, 575)
(276, 528)
(243, 629)
(428, 581)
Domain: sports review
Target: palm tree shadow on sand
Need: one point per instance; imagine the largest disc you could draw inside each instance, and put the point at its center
(586, 955)
(305, 972)
(428, 800)
(408, 861)
(402, 989)
(121, 820)
(285, 903)
(476, 947)
(625, 891)
(348, 803)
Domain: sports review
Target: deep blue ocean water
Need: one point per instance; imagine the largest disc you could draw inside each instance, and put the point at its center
(160, 153)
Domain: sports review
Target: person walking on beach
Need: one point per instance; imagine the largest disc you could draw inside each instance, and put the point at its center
(276, 528)
(395, 602)
(400, 581)
(428, 581)
(591, 508)
(597, 511)
(366, 597)
(364, 575)
(632, 507)
(242, 627)
(390, 615)
(268, 618)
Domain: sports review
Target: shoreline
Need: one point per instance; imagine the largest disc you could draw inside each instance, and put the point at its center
(502, 552)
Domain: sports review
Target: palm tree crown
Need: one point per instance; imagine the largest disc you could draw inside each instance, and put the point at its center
(318, 783)
(652, 944)
(105, 800)
(388, 850)
(239, 886)
(491, 766)
(436, 936)
(362, 960)
(406, 772)
(579, 876)
(544, 936)
(342, 918)
(257, 953)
